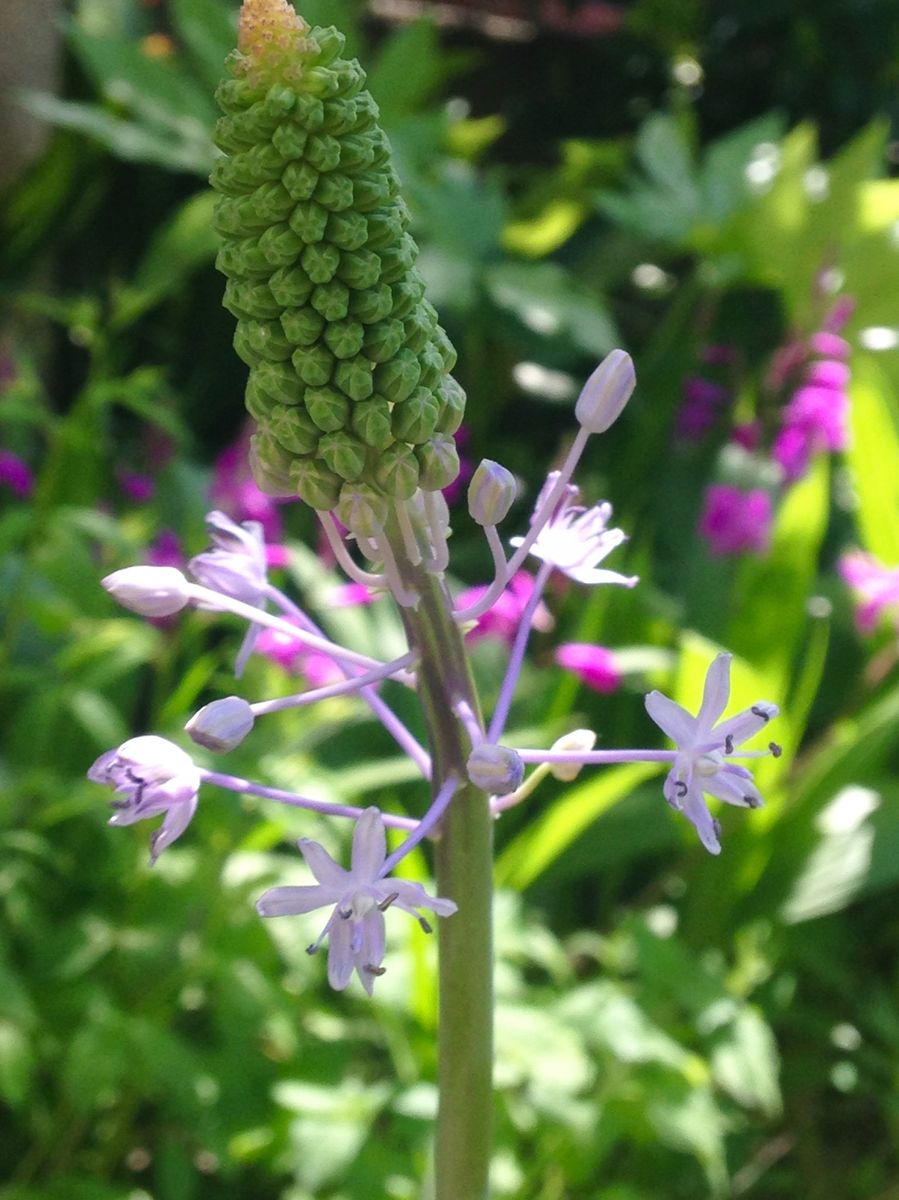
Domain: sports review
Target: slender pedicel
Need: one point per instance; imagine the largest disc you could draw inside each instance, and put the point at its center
(439, 546)
(500, 580)
(428, 822)
(597, 757)
(410, 541)
(220, 603)
(404, 596)
(516, 658)
(246, 787)
(357, 683)
(338, 546)
(551, 500)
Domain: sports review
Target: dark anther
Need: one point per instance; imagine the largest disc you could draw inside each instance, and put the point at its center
(681, 788)
(716, 825)
(775, 749)
(312, 949)
(385, 904)
(426, 926)
(753, 801)
(373, 970)
(345, 913)
(760, 713)
(729, 744)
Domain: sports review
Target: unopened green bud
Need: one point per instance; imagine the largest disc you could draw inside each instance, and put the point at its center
(328, 408)
(491, 493)
(353, 376)
(315, 483)
(294, 429)
(372, 421)
(362, 510)
(344, 453)
(397, 471)
(414, 420)
(439, 462)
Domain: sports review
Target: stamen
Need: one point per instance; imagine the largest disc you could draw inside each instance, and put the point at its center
(681, 788)
(385, 904)
(426, 926)
(410, 541)
(345, 913)
(760, 713)
(342, 555)
(312, 948)
(373, 970)
(716, 825)
(753, 801)
(729, 744)
(438, 531)
(776, 750)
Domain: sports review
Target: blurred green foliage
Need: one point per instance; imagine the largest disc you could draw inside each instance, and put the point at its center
(669, 1025)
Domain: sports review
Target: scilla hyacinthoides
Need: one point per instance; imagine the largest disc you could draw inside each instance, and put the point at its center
(355, 408)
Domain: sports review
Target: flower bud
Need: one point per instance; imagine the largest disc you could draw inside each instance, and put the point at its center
(496, 769)
(150, 591)
(221, 725)
(579, 741)
(606, 392)
(491, 493)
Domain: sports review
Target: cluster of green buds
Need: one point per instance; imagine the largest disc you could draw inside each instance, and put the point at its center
(349, 382)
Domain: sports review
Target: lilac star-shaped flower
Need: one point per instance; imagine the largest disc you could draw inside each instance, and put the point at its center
(360, 896)
(575, 539)
(705, 751)
(150, 776)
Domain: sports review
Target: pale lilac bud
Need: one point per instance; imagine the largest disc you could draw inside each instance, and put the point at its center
(496, 769)
(150, 591)
(491, 493)
(579, 741)
(221, 725)
(606, 392)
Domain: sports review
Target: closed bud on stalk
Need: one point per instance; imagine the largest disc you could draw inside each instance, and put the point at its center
(496, 769)
(579, 741)
(606, 392)
(221, 725)
(150, 591)
(491, 493)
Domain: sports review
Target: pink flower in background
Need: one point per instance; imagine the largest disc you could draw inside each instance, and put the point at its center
(15, 474)
(501, 621)
(136, 486)
(875, 588)
(595, 665)
(736, 522)
(748, 435)
(289, 654)
(456, 489)
(350, 595)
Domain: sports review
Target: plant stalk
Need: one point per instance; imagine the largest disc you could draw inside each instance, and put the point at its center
(464, 869)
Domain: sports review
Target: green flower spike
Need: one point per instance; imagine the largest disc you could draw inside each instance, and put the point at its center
(349, 379)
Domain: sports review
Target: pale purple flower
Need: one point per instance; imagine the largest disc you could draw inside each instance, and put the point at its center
(875, 587)
(595, 665)
(151, 776)
(15, 474)
(501, 620)
(235, 566)
(734, 521)
(706, 749)
(360, 897)
(575, 539)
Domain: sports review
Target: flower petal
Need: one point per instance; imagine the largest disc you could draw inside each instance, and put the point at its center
(288, 901)
(323, 866)
(715, 693)
(371, 952)
(733, 788)
(745, 724)
(369, 846)
(341, 959)
(177, 819)
(673, 720)
(594, 575)
(411, 896)
(706, 826)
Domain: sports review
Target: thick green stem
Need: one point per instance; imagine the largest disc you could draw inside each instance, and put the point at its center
(464, 873)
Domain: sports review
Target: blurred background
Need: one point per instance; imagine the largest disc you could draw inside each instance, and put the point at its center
(711, 187)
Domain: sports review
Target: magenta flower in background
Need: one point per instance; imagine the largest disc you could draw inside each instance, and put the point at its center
(165, 550)
(15, 474)
(875, 589)
(595, 665)
(350, 595)
(136, 486)
(736, 522)
(456, 489)
(501, 621)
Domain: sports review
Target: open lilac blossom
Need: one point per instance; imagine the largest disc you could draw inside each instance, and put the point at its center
(706, 750)
(501, 620)
(875, 589)
(151, 776)
(575, 539)
(235, 566)
(360, 897)
(15, 474)
(736, 522)
(594, 665)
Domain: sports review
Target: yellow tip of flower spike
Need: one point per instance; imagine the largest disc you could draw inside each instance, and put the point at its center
(268, 26)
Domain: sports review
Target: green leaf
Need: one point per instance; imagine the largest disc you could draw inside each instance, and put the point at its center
(745, 1062)
(874, 459)
(538, 846)
(550, 302)
(208, 30)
